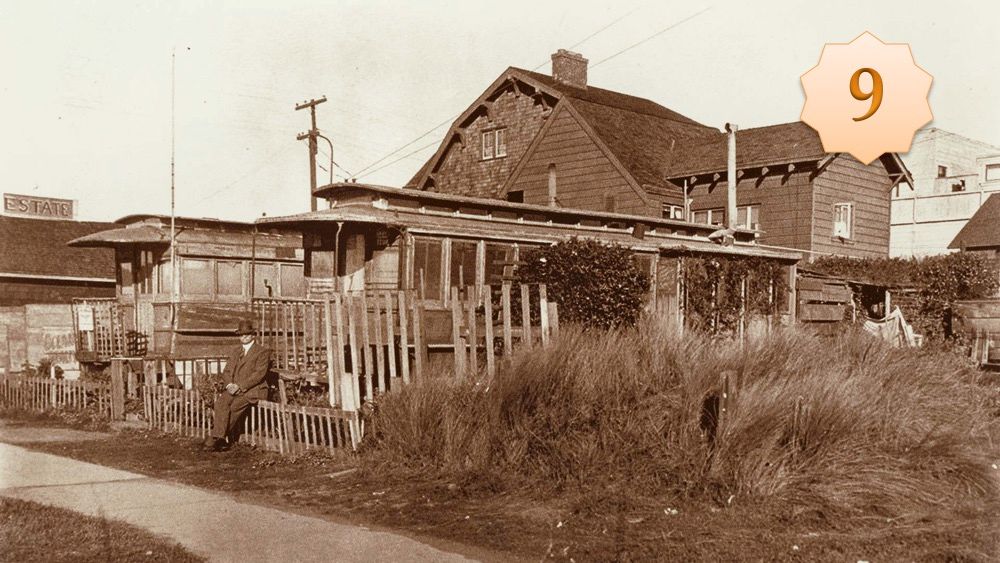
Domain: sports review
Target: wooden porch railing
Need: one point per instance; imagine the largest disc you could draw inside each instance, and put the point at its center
(99, 330)
(382, 340)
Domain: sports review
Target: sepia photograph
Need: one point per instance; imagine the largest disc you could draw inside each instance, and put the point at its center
(370, 280)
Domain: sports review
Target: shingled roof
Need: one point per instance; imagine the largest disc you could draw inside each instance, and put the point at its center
(639, 132)
(654, 143)
(758, 146)
(37, 247)
(983, 229)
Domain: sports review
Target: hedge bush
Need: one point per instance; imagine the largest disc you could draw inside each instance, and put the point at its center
(939, 281)
(595, 285)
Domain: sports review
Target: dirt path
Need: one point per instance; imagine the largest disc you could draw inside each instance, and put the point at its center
(209, 524)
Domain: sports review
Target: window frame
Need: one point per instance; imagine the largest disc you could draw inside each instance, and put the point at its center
(942, 171)
(986, 172)
(491, 146)
(850, 219)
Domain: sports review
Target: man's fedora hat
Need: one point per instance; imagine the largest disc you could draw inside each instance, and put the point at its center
(245, 327)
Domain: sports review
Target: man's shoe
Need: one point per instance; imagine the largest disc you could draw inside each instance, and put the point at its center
(215, 444)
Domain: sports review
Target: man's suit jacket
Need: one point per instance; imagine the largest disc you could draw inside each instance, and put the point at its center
(249, 371)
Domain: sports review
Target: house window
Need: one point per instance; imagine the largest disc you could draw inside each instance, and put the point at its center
(516, 196)
(265, 280)
(293, 282)
(942, 171)
(673, 211)
(463, 263)
(494, 144)
(748, 217)
(958, 186)
(501, 144)
(710, 216)
(992, 172)
(499, 263)
(427, 268)
(229, 277)
(196, 277)
(843, 217)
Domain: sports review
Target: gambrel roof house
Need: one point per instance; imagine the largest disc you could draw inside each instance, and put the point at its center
(559, 141)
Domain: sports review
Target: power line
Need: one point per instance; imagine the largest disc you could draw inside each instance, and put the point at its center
(428, 132)
(653, 36)
(587, 38)
(407, 155)
(362, 172)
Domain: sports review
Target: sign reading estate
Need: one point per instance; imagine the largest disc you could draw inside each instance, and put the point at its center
(40, 207)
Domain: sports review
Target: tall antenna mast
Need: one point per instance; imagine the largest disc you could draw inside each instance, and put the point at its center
(173, 223)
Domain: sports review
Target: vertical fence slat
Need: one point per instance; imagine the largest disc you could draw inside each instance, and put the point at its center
(456, 332)
(390, 338)
(332, 377)
(369, 373)
(488, 330)
(473, 342)
(352, 330)
(543, 312)
(525, 317)
(380, 372)
(506, 313)
(404, 346)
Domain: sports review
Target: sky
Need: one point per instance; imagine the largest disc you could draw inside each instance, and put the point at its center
(89, 87)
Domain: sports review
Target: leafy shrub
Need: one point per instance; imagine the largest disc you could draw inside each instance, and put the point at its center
(714, 292)
(939, 280)
(594, 284)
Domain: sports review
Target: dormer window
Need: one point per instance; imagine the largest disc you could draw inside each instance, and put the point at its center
(494, 144)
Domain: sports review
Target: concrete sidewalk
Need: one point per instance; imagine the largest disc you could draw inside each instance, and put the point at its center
(209, 524)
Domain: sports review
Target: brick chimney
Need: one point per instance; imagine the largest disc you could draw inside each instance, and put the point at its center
(569, 67)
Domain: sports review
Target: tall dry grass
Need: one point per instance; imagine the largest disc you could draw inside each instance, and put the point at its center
(841, 427)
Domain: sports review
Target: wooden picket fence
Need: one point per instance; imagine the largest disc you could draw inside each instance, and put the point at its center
(382, 340)
(177, 411)
(41, 394)
(293, 429)
(271, 426)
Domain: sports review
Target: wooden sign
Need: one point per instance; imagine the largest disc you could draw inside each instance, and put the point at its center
(39, 207)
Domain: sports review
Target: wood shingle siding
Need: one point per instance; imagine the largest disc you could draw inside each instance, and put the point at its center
(846, 180)
(584, 173)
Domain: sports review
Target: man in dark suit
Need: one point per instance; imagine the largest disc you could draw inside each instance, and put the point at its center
(245, 380)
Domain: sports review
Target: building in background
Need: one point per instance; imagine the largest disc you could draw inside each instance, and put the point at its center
(953, 176)
(561, 142)
(37, 267)
(981, 233)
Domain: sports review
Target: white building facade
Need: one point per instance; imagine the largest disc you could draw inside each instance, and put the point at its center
(952, 177)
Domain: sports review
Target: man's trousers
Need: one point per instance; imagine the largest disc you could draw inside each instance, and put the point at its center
(229, 411)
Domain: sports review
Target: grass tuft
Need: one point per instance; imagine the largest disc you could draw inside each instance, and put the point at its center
(844, 428)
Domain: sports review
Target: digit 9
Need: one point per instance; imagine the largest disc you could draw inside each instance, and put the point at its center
(875, 95)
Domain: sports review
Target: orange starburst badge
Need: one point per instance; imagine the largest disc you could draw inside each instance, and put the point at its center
(866, 97)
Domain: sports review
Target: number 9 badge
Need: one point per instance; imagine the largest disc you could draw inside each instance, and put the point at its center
(866, 97)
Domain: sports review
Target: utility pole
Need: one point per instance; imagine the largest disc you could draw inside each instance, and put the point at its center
(731, 179)
(311, 135)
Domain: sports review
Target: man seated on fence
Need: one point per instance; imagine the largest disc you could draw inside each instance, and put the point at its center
(245, 384)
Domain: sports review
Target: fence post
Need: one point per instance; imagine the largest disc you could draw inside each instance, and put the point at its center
(525, 316)
(390, 339)
(473, 339)
(367, 351)
(456, 336)
(117, 391)
(420, 351)
(543, 313)
(505, 312)
(488, 315)
(404, 346)
(331, 375)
